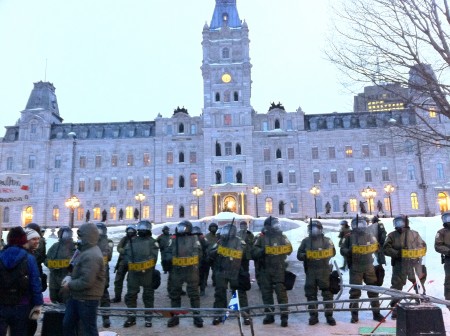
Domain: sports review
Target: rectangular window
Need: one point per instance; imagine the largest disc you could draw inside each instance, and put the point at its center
(353, 205)
(146, 159)
(290, 153)
(333, 176)
(97, 184)
(292, 179)
(9, 163)
(289, 125)
(146, 211)
(81, 185)
(169, 184)
(365, 151)
(193, 129)
(96, 213)
(146, 183)
(80, 214)
(385, 175)
(98, 161)
(193, 209)
(432, 112)
(169, 210)
(382, 149)
(315, 153)
(265, 126)
(316, 177)
(193, 180)
(56, 184)
(169, 157)
(82, 161)
(169, 129)
(130, 183)
(114, 160)
(266, 154)
(55, 214)
(32, 162)
(58, 161)
(267, 177)
(350, 176)
(192, 157)
(367, 175)
(440, 171)
(129, 211)
(227, 120)
(411, 173)
(348, 151)
(113, 213)
(113, 183)
(130, 160)
(228, 149)
(387, 204)
(331, 152)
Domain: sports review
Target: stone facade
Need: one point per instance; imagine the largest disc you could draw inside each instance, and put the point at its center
(225, 151)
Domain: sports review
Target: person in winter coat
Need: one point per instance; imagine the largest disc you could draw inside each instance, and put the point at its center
(442, 246)
(406, 249)
(344, 232)
(21, 297)
(316, 252)
(86, 284)
(163, 242)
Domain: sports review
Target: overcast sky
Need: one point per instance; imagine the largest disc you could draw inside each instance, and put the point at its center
(121, 60)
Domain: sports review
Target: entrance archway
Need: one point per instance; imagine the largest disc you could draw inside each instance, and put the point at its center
(27, 215)
(443, 201)
(229, 204)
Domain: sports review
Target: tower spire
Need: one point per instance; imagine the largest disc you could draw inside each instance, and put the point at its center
(225, 15)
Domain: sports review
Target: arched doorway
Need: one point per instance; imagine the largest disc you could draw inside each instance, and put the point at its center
(27, 215)
(443, 202)
(229, 204)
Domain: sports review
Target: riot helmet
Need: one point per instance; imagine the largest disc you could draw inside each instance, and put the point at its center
(196, 231)
(144, 228)
(102, 229)
(400, 222)
(65, 233)
(446, 218)
(243, 225)
(228, 231)
(131, 231)
(166, 230)
(272, 224)
(213, 227)
(183, 228)
(344, 223)
(359, 223)
(315, 228)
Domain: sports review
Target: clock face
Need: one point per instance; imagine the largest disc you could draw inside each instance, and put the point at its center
(226, 78)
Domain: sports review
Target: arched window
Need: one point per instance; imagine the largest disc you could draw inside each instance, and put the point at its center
(225, 53)
(218, 177)
(217, 96)
(294, 205)
(238, 149)
(55, 213)
(181, 157)
(218, 149)
(277, 124)
(278, 153)
(180, 128)
(181, 211)
(239, 177)
(181, 181)
(280, 177)
(414, 201)
(6, 215)
(269, 205)
(236, 96)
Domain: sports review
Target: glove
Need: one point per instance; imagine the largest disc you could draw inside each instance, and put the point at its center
(66, 281)
(35, 313)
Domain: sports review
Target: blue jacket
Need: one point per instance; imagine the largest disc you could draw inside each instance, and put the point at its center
(10, 257)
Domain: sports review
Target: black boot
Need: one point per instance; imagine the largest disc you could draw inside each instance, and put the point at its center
(198, 322)
(173, 321)
(131, 321)
(331, 321)
(313, 319)
(269, 319)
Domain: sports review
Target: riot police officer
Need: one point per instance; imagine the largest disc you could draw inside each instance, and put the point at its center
(316, 251)
(359, 248)
(271, 249)
(121, 268)
(141, 254)
(442, 246)
(106, 245)
(406, 249)
(204, 262)
(185, 252)
(343, 232)
(163, 242)
(57, 261)
(211, 238)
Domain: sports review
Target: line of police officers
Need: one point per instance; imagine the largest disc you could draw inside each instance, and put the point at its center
(185, 254)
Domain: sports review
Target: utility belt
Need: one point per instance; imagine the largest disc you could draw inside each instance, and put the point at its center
(414, 254)
(141, 266)
(365, 249)
(278, 250)
(185, 261)
(229, 252)
(58, 263)
(319, 254)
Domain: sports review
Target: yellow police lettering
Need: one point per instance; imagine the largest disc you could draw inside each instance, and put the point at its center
(141, 266)
(58, 263)
(229, 252)
(414, 254)
(277, 250)
(185, 261)
(365, 249)
(319, 254)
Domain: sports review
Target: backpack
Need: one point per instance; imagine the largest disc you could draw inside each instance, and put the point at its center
(14, 283)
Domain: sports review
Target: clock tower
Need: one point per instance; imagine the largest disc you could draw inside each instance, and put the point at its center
(226, 68)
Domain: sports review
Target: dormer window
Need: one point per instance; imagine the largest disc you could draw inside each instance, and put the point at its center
(225, 18)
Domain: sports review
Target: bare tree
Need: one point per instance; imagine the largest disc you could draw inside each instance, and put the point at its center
(405, 42)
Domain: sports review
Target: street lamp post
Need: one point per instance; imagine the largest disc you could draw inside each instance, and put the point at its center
(72, 203)
(315, 191)
(389, 189)
(256, 191)
(369, 194)
(198, 193)
(140, 198)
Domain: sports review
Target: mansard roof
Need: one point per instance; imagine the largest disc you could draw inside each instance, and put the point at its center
(43, 97)
(225, 9)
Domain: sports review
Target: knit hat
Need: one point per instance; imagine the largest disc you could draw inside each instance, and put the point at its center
(31, 234)
(16, 236)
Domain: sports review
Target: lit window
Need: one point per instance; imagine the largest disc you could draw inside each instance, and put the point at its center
(80, 214)
(169, 182)
(193, 209)
(348, 151)
(97, 213)
(192, 157)
(146, 183)
(365, 151)
(55, 214)
(113, 213)
(82, 161)
(193, 180)
(169, 157)
(387, 204)
(147, 159)
(130, 160)
(353, 205)
(169, 210)
(97, 184)
(414, 201)
(129, 212)
(146, 211)
(269, 205)
(432, 112)
(114, 160)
